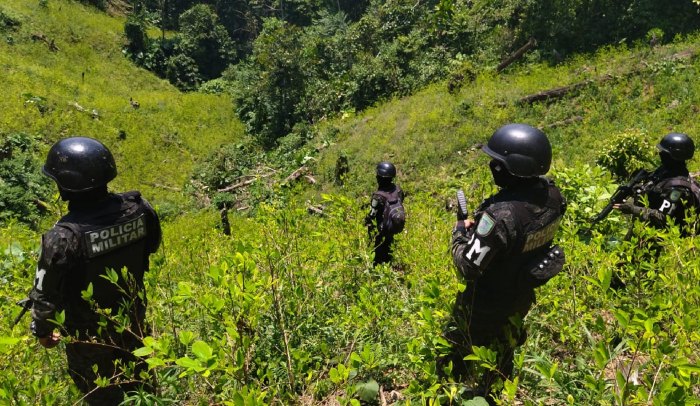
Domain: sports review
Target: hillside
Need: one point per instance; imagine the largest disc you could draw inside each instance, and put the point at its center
(84, 85)
(288, 310)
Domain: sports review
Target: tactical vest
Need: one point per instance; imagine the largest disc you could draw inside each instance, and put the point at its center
(660, 197)
(537, 229)
(662, 187)
(112, 236)
(505, 289)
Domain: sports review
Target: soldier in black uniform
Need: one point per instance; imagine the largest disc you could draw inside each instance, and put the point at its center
(669, 190)
(101, 231)
(504, 253)
(382, 225)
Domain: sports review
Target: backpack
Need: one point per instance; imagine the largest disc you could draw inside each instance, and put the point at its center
(394, 215)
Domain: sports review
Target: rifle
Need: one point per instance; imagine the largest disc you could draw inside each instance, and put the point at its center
(462, 211)
(26, 304)
(621, 194)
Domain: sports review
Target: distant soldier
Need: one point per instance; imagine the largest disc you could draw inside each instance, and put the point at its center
(669, 190)
(101, 231)
(504, 253)
(386, 217)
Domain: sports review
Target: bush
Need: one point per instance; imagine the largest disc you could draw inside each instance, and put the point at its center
(269, 85)
(182, 71)
(23, 189)
(136, 37)
(205, 41)
(227, 166)
(8, 21)
(625, 153)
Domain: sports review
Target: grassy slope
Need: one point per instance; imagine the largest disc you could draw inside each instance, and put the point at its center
(164, 136)
(346, 307)
(430, 135)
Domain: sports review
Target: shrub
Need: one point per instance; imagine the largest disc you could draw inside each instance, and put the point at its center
(625, 153)
(23, 189)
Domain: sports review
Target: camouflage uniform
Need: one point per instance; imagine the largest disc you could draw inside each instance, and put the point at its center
(498, 257)
(670, 193)
(118, 232)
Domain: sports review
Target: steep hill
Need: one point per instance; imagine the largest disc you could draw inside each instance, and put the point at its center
(64, 74)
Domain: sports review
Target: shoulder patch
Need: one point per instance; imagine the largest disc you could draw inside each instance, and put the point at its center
(486, 224)
(675, 195)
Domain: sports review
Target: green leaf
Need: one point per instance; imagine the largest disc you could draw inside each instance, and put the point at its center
(335, 377)
(60, 317)
(143, 351)
(202, 350)
(87, 293)
(154, 362)
(190, 363)
(4, 340)
(6, 343)
(368, 391)
(688, 367)
(186, 337)
(477, 401)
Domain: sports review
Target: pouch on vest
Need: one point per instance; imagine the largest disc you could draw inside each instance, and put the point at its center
(541, 269)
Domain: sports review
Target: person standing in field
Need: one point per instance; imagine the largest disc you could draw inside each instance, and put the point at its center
(669, 192)
(89, 280)
(387, 216)
(504, 253)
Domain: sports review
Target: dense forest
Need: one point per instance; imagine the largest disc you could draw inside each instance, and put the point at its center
(234, 117)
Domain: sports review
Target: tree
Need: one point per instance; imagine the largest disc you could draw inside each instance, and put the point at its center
(270, 84)
(205, 41)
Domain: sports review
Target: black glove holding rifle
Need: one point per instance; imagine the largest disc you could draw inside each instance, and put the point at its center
(623, 192)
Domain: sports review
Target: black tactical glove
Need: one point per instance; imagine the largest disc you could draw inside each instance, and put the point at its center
(629, 208)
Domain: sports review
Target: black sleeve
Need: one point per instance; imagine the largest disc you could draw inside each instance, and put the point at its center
(59, 247)
(475, 248)
(154, 232)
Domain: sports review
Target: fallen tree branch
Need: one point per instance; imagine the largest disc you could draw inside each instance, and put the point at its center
(161, 186)
(315, 209)
(37, 36)
(567, 121)
(560, 91)
(237, 185)
(296, 174)
(531, 43)
(244, 183)
(552, 93)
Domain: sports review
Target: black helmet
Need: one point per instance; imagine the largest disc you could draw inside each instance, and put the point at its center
(80, 164)
(525, 151)
(386, 169)
(678, 146)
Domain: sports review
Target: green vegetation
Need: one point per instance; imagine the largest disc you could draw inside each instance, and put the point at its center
(85, 86)
(288, 308)
(300, 62)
